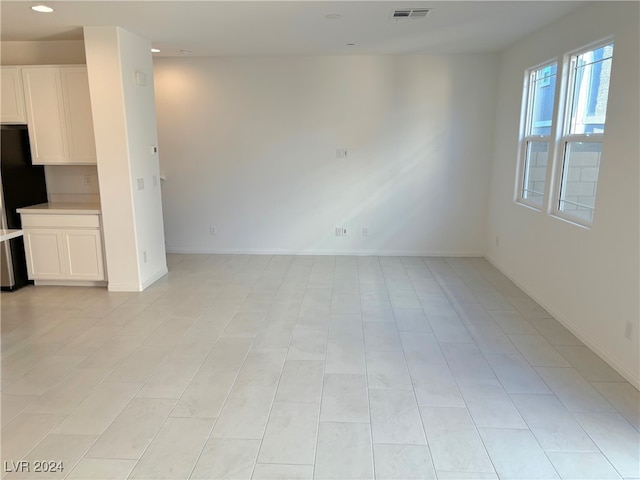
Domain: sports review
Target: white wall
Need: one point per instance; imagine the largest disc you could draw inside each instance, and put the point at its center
(72, 183)
(249, 146)
(142, 135)
(125, 129)
(53, 52)
(588, 278)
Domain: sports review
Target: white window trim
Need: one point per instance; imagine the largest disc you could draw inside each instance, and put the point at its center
(525, 120)
(558, 138)
(563, 137)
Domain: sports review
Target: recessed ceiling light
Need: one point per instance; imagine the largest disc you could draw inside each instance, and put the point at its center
(155, 50)
(333, 16)
(42, 8)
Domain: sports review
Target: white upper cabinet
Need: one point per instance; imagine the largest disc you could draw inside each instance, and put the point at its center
(77, 104)
(45, 115)
(12, 96)
(59, 115)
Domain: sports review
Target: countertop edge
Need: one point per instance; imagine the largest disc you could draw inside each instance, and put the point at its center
(60, 209)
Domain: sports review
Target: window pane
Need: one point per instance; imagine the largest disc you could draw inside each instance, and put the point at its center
(543, 89)
(580, 179)
(535, 171)
(592, 72)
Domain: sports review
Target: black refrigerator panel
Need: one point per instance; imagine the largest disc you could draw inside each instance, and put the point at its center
(13, 271)
(23, 184)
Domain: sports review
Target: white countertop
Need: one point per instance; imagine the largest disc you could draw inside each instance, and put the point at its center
(62, 208)
(9, 234)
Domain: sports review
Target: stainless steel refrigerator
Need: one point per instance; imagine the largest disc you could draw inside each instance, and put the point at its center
(21, 184)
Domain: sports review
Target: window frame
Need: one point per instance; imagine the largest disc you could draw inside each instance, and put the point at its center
(526, 125)
(559, 137)
(564, 136)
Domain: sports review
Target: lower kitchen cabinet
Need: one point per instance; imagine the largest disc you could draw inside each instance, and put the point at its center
(82, 254)
(63, 248)
(64, 254)
(44, 259)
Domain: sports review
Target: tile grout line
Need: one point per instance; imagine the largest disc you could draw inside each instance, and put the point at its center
(446, 363)
(275, 393)
(413, 388)
(466, 407)
(366, 378)
(324, 368)
(215, 421)
(518, 410)
(165, 421)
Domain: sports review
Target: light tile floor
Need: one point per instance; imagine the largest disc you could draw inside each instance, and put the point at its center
(280, 367)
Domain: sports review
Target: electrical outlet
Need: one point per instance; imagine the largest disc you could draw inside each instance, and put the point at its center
(338, 231)
(144, 257)
(628, 329)
(342, 153)
(213, 231)
(87, 180)
(365, 231)
(140, 183)
(154, 150)
(344, 232)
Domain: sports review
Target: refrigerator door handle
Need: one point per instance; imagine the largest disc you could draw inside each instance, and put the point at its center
(6, 261)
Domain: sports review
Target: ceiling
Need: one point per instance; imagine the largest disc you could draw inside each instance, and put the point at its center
(266, 28)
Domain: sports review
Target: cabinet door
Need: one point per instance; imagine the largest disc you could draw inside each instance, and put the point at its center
(82, 252)
(11, 96)
(44, 261)
(45, 115)
(79, 122)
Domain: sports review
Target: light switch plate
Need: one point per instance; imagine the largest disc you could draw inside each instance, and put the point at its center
(141, 79)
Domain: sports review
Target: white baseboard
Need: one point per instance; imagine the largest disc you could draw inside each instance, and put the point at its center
(358, 253)
(155, 277)
(70, 283)
(126, 287)
(138, 287)
(577, 331)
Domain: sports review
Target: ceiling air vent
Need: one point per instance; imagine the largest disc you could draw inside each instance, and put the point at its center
(413, 13)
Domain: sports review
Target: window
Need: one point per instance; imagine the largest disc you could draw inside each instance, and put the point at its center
(535, 144)
(568, 138)
(588, 92)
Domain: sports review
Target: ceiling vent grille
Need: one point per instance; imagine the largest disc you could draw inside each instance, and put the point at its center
(412, 13)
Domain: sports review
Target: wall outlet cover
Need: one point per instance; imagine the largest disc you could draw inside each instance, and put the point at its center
(342, 153)
(628, 329)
